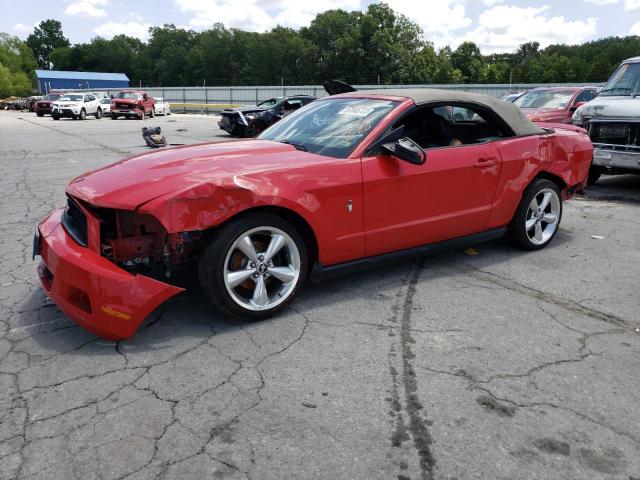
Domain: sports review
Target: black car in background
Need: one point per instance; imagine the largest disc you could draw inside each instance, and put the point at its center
(250, 121)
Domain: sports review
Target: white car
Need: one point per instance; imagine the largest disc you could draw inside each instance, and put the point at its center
(161, 107)
(76, 105)
(105, 105)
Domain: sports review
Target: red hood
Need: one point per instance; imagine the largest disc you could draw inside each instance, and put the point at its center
(129, 183)
(133, 101)
(546, 115)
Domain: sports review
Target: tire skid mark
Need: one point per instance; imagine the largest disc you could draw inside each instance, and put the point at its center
(405, 379)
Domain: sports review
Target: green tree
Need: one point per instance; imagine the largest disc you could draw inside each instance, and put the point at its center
(468, 60)
(16, 66)
(46, 37)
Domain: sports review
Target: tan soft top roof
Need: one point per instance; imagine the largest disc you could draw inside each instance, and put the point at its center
(510, 113)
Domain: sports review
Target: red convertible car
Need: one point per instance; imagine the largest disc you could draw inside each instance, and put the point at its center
(343, 183)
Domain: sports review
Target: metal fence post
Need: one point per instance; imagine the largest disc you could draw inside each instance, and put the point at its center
(184, 101)
(206, 99)
(231, 95)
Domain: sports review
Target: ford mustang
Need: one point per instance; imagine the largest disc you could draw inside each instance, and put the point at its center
(346, 182)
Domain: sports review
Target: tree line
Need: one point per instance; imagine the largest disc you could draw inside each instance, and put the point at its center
(370, 47)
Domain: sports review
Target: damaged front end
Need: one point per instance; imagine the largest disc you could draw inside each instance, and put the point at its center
(107, 268)
(616, 144)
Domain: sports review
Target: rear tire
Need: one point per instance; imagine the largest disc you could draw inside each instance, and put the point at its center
(152, 113)
(537, 217)
(55, 117)
(253, 266)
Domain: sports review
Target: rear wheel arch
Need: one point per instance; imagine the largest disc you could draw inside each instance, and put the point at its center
(560, 183)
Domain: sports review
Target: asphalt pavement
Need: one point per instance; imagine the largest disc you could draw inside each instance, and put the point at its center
(488, 363)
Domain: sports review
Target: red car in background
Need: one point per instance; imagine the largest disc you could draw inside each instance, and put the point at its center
(43, 106)
(555, 104)
(132, 103)
(346, 182)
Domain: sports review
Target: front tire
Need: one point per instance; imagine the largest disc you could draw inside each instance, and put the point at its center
(83, 114)
(254, 266)
(55, 117)
(255, 128)
(538, 215)
(114, 116)
(98, 114)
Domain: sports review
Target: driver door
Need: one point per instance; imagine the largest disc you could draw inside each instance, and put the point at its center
(449, 196)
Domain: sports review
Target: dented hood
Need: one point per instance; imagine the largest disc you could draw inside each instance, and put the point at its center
(613, 107)
(132, 182)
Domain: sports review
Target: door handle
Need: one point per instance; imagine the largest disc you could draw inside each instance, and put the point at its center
(484, 163)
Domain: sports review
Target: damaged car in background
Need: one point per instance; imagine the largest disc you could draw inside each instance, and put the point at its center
(345, 183)
(613, 122)
(250, 121)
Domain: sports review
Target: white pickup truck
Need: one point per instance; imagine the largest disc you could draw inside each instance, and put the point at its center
(613, 122)
(76, 105)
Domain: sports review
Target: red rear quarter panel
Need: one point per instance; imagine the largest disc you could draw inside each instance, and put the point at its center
(565, 152)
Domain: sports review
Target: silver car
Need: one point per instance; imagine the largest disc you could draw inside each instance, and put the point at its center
(613, 122)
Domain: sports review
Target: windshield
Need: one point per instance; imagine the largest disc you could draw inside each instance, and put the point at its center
(129, 95)
(624, 81)
(105, 100)
(51, 97)
(71, 98)
(331, 127)
(545, 99)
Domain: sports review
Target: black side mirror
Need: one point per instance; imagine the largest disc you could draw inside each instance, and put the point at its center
(145, 96)
(407, 150)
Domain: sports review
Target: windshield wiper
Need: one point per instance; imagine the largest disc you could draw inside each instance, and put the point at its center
(616, 89)
(297, 146)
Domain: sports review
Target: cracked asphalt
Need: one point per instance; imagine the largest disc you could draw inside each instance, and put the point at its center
(485, 364)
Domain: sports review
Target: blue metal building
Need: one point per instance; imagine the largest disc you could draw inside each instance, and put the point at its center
(57, 79)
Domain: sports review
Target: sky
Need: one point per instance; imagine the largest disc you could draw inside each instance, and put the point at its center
(494, 25)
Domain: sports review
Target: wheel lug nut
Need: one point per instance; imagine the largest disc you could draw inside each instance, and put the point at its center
(255, 275)
(252, 265)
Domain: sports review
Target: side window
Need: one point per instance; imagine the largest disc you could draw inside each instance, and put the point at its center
(585, 96)
(452, 126)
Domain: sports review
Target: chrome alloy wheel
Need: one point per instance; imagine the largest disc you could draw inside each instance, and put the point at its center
(543, 216)
(262, 268)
